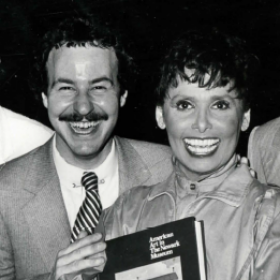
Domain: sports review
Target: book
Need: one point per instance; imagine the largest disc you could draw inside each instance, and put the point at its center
(172, 251)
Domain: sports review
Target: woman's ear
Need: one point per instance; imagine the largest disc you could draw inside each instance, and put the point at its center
(246, 120)
(45, 100)
(159, 117)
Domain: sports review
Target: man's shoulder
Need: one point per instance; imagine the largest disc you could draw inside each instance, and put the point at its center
(19, 168)
(269, 128)
(266, 135)
(147, 149)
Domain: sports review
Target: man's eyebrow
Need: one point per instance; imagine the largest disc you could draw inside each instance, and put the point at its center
(62, 80)
(102, 79)
(94, 81)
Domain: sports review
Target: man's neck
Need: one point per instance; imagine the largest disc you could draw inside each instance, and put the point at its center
(86, 162)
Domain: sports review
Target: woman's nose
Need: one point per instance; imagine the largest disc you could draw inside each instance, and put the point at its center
(202, 122)
(82, 104)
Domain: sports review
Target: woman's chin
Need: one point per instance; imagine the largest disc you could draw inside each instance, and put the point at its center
(199, 166)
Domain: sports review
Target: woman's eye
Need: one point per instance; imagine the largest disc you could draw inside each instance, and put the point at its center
(221, 105)
(183, 105)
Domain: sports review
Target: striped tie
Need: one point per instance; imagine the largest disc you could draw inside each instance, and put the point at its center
(89, 213)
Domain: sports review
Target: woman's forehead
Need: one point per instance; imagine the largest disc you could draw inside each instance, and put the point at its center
(186, 88)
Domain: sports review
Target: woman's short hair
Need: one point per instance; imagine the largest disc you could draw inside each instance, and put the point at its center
(224, 59)
(79, 32)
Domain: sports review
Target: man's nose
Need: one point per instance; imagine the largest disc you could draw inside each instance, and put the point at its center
(83, 104)
(202, 121)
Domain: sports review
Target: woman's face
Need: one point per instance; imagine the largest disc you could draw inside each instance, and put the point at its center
(203, 126)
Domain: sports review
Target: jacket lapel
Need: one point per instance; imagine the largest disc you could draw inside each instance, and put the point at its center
(132, 170)
(45, 213)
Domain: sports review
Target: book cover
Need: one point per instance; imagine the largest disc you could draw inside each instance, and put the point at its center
(172, 251)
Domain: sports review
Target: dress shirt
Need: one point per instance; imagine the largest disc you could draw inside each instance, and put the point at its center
(19, 135)
(70, 181)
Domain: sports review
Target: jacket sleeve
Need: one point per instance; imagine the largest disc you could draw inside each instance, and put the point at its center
(267, 261)
(255, 154)
(112, 220)
(7, 263)
(264, 153)
(124, 216)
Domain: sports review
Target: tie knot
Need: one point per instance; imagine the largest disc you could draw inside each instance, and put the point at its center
(90, 181)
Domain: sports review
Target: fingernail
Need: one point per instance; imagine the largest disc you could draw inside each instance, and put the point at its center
(98, 235)
(99, 261)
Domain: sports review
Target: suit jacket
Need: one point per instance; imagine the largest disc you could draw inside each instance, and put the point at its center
(34, 225)
(264, 152)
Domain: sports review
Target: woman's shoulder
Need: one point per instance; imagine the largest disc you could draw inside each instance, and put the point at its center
(137, 197)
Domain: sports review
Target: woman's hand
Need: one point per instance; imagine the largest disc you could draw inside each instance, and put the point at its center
(245, 162)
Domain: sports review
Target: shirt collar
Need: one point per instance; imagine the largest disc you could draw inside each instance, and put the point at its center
(207, 183)
(71, 175)
(231, 189)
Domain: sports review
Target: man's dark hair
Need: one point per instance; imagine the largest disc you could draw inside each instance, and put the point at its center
(225, 58)
(79, 32)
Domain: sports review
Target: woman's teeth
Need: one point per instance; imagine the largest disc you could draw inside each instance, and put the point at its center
(201, 146)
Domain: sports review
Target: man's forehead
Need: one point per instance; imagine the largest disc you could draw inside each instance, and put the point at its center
(81, 53)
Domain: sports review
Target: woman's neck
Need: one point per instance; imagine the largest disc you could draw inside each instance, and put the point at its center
(197, 177)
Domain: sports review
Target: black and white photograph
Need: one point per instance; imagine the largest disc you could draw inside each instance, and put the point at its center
(120, 116)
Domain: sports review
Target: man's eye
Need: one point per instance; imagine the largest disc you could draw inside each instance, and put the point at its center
(66, 88)
(221, 105)
(183, 105)
(99, 88)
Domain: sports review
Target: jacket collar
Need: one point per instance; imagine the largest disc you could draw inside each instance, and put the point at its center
(133, 171)
(41, 168)
(45, 212)
(232, 191)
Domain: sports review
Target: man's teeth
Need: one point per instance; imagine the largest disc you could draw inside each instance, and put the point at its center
(201, 143)
(82, 125)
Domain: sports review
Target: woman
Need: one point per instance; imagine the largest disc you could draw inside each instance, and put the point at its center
(203, 102)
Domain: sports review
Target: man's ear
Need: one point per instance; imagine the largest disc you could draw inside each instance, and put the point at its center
(123, 98)
(246, 120)
(45, 100)
(159, 117)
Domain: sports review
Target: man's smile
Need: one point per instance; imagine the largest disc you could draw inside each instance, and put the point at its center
(84, 127)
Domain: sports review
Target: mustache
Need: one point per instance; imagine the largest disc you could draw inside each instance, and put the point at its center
(76, 117)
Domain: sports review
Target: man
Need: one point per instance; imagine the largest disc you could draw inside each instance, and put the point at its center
(263, 152)
(84, 73)
(19, 134)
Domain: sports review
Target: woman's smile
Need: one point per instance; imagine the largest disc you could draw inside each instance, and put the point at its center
(202, 147)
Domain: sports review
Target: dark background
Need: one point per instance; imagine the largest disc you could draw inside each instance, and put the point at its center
(149, 26)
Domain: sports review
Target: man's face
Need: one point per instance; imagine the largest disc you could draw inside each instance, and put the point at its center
(83, 101)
